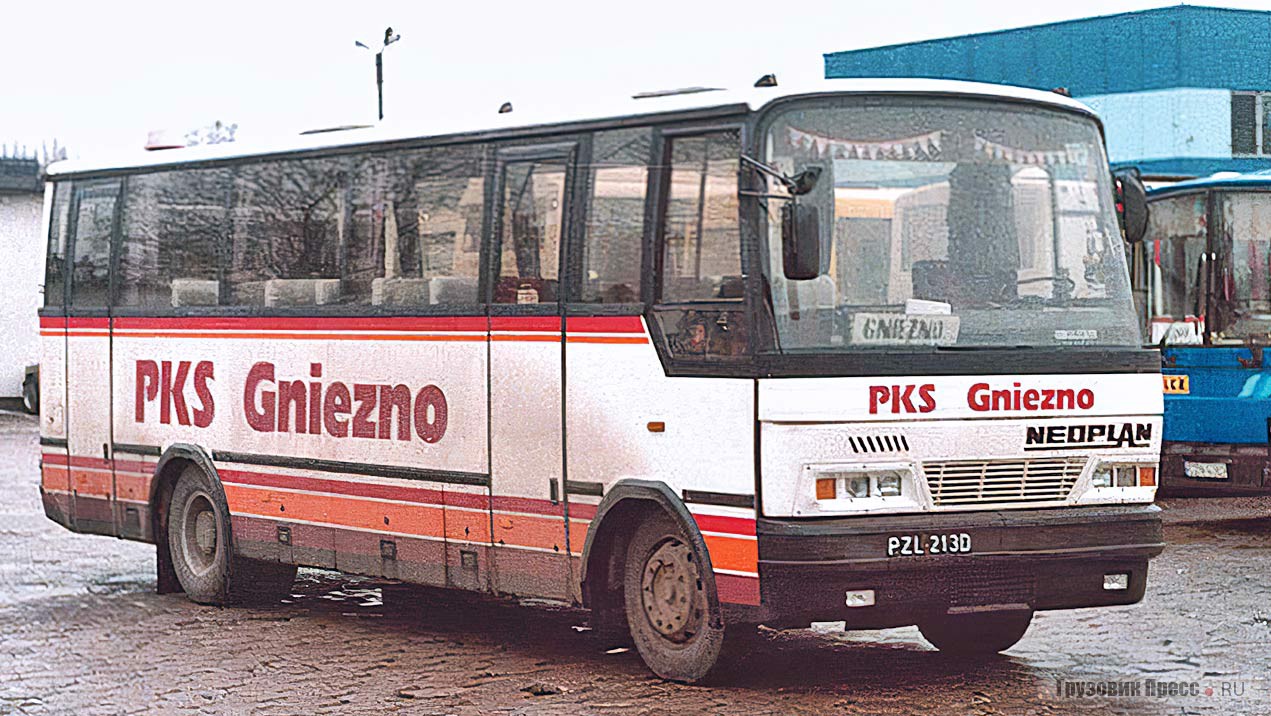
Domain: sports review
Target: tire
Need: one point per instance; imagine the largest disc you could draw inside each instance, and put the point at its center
(983, 633)
(202, 554)
(671, 616)
(30, 396)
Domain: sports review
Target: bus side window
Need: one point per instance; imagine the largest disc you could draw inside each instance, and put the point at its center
(173, 224)
(59, 226)
(700, 249)
(1176, 244)
(615, 216)
(94, 227)
(425, 209)
(531, 231)
(289, 225)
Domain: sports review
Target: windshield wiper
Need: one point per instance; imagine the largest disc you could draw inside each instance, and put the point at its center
(798, 185)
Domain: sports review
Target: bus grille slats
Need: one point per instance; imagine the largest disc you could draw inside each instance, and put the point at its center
(978, 482)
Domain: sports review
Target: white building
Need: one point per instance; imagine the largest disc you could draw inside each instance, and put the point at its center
(21, 270)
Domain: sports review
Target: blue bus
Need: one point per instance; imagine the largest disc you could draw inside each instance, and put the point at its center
(1203, 280)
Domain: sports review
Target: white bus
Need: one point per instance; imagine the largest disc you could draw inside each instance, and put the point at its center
(698, 363)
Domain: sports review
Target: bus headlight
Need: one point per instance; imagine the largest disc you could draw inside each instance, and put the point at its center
(857, 488)
(1117, 482)
(1112, 474)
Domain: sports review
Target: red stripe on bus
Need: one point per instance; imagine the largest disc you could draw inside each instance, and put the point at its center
(737, 590)
(74, 322)
(605, 324)
(315, 324)
(535, 324)
(58, 322)
(726, 525)
(419, 495)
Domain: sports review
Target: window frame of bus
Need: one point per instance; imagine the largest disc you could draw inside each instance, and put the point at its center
(657, 204)
(1222, 256)
(72, 240)
(351, 154)
(59, 222)
(1206, 287)
(769, 362)
(573, 149)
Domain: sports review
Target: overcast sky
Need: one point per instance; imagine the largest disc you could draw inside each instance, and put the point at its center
(99, 75)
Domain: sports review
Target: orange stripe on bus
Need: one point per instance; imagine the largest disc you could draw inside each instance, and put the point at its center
(547, 338)
(132, 487)
(94, 484)
(55, 477)
(467, 526)
(639, 340)
(543, 532)
(420, 520)
(741, 555)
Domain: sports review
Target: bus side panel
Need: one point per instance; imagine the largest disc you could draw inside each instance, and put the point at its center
(334, 438)
(616, 392)
(88, 424)
(55, 475)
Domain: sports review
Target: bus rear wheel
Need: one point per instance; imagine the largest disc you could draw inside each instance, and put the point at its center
(202, 556)
(980, 633)
(674, 622)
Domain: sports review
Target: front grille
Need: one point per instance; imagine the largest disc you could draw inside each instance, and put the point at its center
(993, 482)
(990, 585)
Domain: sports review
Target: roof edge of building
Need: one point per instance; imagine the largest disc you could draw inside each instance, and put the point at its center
(1169, 9)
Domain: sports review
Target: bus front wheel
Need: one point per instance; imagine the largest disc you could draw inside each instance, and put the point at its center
(977, 633)
(202, 556)
(674, 622)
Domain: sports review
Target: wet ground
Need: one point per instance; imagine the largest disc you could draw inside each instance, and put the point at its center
(82, 632)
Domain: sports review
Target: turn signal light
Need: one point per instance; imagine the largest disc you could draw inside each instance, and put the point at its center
(826, 489)
(1147, 477)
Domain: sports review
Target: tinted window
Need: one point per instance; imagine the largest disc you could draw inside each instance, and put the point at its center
(94, 226)
(530, 230)
(422, 212)
(1176, 241)
(701, 255)
(615, 217)
(1244, 121)
(701, 249)
(173, 228)
(59, 230)
(289, 224)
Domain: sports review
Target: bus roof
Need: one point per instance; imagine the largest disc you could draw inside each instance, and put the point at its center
(1221, 180)
(457, 124)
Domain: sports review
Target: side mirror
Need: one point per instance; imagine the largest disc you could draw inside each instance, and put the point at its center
(1131, 204)
(800, 242)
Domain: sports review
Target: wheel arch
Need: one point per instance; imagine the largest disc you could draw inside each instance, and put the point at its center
(624, 504)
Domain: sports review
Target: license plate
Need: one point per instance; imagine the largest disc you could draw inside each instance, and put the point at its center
(918, 545)
(1206, 470)
(1177, 384)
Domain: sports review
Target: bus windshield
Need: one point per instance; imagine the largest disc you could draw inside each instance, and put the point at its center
(948, 223)
(1242, 296)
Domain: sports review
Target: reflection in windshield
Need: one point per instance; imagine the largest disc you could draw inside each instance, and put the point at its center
(950, 224)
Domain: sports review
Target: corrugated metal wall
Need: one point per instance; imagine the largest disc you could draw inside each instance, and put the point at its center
(1155, 49)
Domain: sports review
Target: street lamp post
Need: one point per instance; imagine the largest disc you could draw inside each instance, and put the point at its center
(389, 38)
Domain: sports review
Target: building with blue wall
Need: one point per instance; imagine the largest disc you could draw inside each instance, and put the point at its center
(1183, 91)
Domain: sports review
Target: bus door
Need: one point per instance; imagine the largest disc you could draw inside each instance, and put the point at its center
(94, 220)
(532, 187)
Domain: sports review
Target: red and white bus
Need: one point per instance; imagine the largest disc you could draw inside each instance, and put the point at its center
(860, 352)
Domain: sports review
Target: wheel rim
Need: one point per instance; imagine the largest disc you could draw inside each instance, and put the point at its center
(671, 591)
(200, 537)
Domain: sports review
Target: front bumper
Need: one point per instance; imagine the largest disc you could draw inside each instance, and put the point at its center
(1044, 559)
(1247, 469)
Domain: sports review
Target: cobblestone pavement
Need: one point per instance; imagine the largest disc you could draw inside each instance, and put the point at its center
(82, 632)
